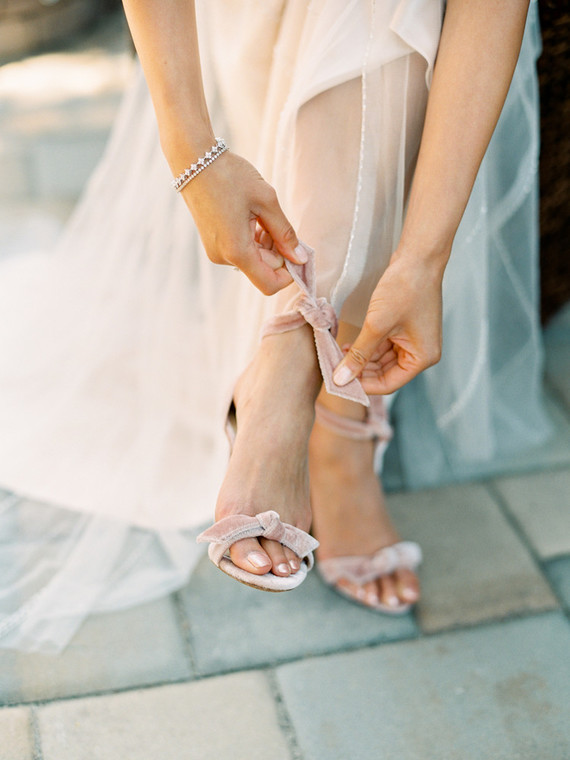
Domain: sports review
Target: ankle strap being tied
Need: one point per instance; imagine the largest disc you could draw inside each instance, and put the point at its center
(374, 427)
(318, 313)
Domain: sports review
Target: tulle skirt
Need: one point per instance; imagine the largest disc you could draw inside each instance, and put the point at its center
(121, 346)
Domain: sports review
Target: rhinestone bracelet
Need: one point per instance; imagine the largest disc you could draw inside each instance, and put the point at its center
(180, 182)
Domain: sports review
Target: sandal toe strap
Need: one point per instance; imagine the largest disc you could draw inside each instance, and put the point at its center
(360, 570)
(224, 533)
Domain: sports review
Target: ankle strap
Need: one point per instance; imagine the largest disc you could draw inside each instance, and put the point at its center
(317, 312)
(375, 426)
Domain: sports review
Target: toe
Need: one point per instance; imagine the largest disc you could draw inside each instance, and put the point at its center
(292, 559)
(279, 563)
(388, 592)
(249, 555)
(366, 594)
(407, 586)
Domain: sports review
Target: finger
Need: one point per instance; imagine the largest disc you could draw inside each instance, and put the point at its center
(263, 238)
(358, 355)
(265, 278)
(383, 347)
(379, 365)
(273, 220)
(391, 379)
(273, 260)
(387, 358)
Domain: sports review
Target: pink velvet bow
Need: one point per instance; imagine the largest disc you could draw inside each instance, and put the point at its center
(319, 313)
(228, 530)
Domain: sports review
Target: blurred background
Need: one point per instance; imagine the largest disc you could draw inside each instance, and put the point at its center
(65, 63)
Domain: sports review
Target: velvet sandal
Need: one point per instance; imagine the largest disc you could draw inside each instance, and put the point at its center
(364, 569)
(224, 533)
(305, 309)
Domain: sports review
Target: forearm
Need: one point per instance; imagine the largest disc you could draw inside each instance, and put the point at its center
(166, 39)
(478, 51)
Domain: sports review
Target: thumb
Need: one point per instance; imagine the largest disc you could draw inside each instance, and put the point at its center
(358, 355)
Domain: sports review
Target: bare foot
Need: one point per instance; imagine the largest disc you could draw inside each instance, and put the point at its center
(349, 508)
(268, 469)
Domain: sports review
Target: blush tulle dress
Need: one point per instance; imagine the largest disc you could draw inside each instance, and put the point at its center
(120, 346)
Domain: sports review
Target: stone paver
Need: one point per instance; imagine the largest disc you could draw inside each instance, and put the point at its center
(558, 572)
(234, 626)
(500, 692)
(231, 718)
(15, 734)
(557, 344)
(541, 505)
(475, 566)
(112, 651)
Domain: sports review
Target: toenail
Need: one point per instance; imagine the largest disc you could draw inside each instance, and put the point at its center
(392, 601)
(295, 565)
(257, 559)
(361, 593)
(372, 598)
(284, 568)
(409, 594)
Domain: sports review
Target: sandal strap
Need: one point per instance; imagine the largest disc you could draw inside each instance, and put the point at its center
(224, 533)
(318, 313)
(375, 426)
(360, 570)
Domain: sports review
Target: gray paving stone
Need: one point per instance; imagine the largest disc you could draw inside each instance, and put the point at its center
(15, 734)
(557, 344)
(541, 505)
(500, 692)
(234, 626)
(112, 651)
(232, 717)
(558, 573)
(475, 567)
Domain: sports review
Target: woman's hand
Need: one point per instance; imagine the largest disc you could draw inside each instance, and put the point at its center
(478, 49)
(241, 222)
(401, 335)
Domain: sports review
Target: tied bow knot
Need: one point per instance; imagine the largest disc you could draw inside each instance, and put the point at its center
(318, 312)
(272, 527)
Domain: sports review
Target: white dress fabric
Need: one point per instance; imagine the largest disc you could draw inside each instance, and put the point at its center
(120, 347)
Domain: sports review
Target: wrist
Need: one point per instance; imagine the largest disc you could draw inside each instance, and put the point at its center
(184, 138)
(430, 260)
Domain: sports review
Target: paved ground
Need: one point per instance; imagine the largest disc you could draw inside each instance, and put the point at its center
(481, 670)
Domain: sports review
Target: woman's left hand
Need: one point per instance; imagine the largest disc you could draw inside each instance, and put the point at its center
(401, 335)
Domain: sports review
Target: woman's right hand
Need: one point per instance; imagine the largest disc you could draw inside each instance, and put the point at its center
(241, 222)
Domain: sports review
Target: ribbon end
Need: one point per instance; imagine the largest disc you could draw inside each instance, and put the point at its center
(353, 391)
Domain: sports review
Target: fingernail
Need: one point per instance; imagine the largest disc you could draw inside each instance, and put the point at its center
(301, 254)
(257, 559)
(342, 375)
(284, 568)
